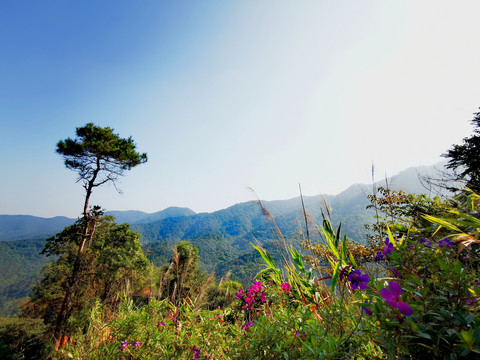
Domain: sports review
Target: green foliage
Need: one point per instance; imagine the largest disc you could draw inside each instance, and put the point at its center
(159, 329)
(402, 213)
(113, 263)
(98, 149)
(442, 293)
(465, 158)
(20, 265)
(223, 294)
(23, 339)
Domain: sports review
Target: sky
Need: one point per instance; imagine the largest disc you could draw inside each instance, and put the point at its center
(225, 96)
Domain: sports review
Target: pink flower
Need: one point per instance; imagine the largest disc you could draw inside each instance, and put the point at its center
(286, 287)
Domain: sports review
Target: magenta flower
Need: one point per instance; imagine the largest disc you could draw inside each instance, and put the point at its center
(286, 287)
(252, 296)
(392, 298)
(255, 288)
(358, 280)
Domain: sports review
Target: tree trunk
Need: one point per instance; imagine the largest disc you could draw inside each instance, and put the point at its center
(63, 315)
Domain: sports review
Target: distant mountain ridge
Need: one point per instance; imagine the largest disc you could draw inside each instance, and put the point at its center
(137, 217)
(17, 227)
(175, 223)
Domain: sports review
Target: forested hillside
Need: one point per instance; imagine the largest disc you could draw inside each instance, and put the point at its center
(20, 265)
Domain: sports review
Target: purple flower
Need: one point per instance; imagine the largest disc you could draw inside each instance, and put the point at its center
(357, 280)
(426, 243)
(379, 256)
(137, 344)
(470, 299)
(246, 326)
(300, 335)
(392, 298)
(286, 287)
(124, 345)
(396, 273)
(197, 352)
(161, 323)
(388, 247)
(445, 243)
(367, 310)
(239, 294)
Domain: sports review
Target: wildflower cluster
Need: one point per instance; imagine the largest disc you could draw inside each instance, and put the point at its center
(255, 296)
(124, 345)
(426, 243)
(286, 287)
(445, 243)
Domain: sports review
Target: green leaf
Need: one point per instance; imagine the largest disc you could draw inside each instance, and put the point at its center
(467, 337)
(424, 335)
(441, 222)
(337, 236)
(297, 259)
(352, 260)
(442, 265)
(344, 250)
(336, 272)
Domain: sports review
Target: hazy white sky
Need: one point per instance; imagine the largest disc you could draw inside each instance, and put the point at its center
(226, 95)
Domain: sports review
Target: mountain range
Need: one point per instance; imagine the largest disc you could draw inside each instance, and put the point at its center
(223, 237)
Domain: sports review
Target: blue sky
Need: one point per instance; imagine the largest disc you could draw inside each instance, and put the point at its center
(227, 95)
